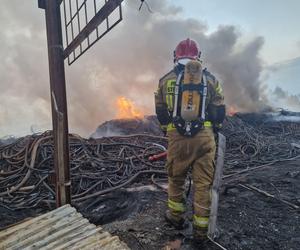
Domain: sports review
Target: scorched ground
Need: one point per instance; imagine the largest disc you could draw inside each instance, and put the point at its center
(114, 184)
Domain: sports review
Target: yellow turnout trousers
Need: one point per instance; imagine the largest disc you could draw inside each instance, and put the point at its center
(198, 153)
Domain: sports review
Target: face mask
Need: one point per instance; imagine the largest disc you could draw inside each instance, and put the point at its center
(183, 61)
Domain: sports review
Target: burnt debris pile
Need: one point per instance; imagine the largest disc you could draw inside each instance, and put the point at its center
(149, 124)
(99, 166)
(254, 140)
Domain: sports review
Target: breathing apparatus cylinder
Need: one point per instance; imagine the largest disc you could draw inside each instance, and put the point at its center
(191, 97)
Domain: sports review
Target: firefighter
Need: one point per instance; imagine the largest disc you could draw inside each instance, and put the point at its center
(189, 148)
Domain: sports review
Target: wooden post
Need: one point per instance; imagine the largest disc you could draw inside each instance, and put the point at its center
(58, 100)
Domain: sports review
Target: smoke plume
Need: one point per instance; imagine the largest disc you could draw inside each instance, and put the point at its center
(286, 100)
(127, 62)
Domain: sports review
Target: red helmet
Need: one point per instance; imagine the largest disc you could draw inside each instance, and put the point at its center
(187, 49)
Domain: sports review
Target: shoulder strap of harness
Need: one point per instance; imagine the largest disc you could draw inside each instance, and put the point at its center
(176, 94)
(204, 96)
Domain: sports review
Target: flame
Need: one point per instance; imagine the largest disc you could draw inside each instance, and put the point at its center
(127, 109)
(232, 110)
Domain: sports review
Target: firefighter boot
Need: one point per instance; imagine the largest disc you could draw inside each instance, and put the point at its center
(176, 220)
(200, 228)
(199, 234)
(200, 239)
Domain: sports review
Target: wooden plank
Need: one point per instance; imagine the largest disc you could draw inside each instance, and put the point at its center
(84, 235)
(61, 229)
(68, 234)
(42, 229)
(61, 212)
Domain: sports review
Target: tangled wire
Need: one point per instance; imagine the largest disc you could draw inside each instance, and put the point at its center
(27, 174)
(252, 143)
(99, 166)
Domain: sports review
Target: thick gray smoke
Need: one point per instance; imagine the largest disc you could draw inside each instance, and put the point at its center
(298, 44)
(127, 62)
(285, 99)
(23, 70)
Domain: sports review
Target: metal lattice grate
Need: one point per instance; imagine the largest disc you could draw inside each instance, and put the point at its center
(87, 21)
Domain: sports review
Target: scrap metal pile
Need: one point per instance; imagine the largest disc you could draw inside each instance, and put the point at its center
(99, 166)
(258, 140)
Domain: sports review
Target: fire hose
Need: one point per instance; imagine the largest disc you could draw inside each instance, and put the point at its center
(158, 157)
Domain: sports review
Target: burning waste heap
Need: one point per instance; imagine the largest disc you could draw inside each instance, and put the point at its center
(102, 169)
(127, 126)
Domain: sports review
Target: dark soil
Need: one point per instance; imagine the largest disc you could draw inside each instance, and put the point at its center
(247, 219)
(9, 217)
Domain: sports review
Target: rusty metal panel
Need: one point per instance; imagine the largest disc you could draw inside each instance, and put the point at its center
(62, 228)
(86, 22)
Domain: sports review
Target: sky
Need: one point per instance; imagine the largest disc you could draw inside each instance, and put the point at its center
(240, 40)
(276, 20)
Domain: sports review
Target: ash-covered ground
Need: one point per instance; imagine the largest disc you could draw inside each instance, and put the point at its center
(262, 159)
(247, 220)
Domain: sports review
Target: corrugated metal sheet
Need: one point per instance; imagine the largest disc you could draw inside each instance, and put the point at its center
(62, 228)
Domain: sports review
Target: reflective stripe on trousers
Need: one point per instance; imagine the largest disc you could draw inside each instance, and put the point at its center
(199, 221)
(176, 206)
